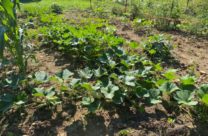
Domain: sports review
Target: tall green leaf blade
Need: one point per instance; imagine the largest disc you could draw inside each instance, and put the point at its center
(2, 41)
(9, 7)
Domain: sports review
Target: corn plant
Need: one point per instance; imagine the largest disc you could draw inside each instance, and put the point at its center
(10, 34)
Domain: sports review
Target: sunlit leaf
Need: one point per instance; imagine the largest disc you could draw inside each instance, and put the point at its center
(41, 76)
(86, 73)
(188, 80)
(185, 97)
(129, 80)
(66, 74)
(205, 99)
(168, 87)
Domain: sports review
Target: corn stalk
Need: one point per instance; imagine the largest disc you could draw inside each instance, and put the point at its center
(126, 5)
(90, 4)
(10, 34)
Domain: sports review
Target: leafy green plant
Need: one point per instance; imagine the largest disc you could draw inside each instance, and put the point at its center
(14, 96)
(49, 19)
(142, 26)
(203, 90)
(202, 108)
(185, 97)
(117, 80)
(158, 47)
(41, 77)
(55, 8)
(203, 94)
(117, 11)
(85, 42)
(46, 96)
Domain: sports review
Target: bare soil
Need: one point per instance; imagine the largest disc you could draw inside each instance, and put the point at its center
(69, 119)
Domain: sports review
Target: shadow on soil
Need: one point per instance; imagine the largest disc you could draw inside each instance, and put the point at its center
(45, 122)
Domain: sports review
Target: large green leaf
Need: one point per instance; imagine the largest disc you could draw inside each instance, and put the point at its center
(87, 86)
(203, 90)
(109, 91)
(170, 74)
(38, 92)
(205, 99)
(168, 87)
(100, 72)
(66, 74)
(86, 73)
(188, 80)
(41, 76)
(75, 82)
(185, 97)
(129, 80)
(154, 96)
(87, 100)
(13, 82)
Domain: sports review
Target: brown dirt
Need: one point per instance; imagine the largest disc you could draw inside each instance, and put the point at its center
(192, 51)
(70, 119)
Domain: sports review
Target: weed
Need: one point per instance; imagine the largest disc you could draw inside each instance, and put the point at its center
(142, 26)
(55, 8)
(117, 11)
(158, 47)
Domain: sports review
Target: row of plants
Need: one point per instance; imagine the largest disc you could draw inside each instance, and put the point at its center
(116, 78)
(108, 74)
(85, 42)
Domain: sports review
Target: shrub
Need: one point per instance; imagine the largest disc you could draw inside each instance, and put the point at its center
(158, 47)
(55, 8)
(117, 11)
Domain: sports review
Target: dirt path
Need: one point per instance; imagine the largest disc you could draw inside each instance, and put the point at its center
(191, 51)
